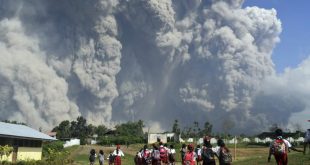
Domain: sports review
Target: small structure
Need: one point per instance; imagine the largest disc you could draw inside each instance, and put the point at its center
(246, 140)
(267, 139)
(233, 141)
(162, 137)
(52, 134)
(257, 140)
(190, 140)
(291, 139)
(213, 141)
(72, 142)
(26, 142)
(300, 139)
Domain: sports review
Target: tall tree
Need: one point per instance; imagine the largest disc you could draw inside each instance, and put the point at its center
(175, 127)
(131, 128)
(101, 130)
(79, 129)
(207, 130)
(63, 130)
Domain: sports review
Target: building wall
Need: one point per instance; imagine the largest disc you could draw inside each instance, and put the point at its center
(152, 138)
(29, 153)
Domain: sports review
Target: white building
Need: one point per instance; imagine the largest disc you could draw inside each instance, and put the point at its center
(72, 142)
(162, 137)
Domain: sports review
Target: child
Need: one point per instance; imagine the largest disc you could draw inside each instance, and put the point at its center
(118, 153)
(92, 156)
(101, 157)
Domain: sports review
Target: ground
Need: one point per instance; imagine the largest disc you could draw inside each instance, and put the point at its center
(246, 155)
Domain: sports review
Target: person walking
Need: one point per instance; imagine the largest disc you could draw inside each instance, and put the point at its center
(307, 140)
(198, 154)
(183, 152)
(92, 157)
(171, 155)
(223, 153)
(279, 148)
(118, 153)
(111, 158)
(190, 156)
(207, 154)
(101, 157)
(146, 155)
(155, 155)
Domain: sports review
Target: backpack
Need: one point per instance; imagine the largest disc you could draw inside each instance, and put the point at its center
(225, 156)
(189, 158)
(279, 147)
(163, 152)
(156, 154)
(207, 155)
(111, 158)
(92, 158)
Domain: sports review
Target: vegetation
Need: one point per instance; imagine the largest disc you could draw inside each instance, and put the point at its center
(5, 150)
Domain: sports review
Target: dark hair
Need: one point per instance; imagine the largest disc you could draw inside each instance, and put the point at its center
(208, 144)
(160, 143)
(198, 146)
(92, 152)
(278, 132)
(101, 152)
(220, 143)
(145, 147)
(171, 146)
(183, 145)
(165, 145)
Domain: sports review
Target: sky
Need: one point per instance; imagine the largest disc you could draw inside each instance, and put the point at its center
(294, 46)
(113, 61)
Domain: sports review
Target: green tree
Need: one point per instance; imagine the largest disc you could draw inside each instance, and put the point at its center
(91, 130)
(5, 150)
(207, 130)
(79, 129)
(130, 128)
(101, 130)
(63, 130)
(175, 127)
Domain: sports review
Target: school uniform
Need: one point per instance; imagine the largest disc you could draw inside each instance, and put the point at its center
(118, 155)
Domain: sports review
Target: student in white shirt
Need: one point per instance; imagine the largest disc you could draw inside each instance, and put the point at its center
(171, 155)
(118, 153)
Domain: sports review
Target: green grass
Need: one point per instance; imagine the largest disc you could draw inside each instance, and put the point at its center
(251, 155)
(293, 159)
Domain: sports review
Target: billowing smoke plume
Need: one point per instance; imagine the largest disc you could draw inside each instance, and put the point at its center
(155, 60)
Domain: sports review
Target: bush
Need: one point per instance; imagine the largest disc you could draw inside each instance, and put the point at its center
(55, 145)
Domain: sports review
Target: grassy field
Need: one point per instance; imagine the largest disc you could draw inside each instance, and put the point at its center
(246, 155)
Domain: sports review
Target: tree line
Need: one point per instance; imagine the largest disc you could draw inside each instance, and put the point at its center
(129, 132)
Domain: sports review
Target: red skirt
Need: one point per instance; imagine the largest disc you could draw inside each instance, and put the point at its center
(281, 159)
(117, 160)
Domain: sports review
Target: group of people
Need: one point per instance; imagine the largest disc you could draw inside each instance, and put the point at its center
(163, 155)
(114, 157)
(159, 154)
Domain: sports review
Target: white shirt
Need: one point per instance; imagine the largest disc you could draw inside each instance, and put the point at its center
(287, 143)
(171, 151)
(101, 158)
(216, 150)
(120, 153)
(198, 151)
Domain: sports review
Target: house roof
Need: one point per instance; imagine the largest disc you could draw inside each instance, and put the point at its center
(21, 131)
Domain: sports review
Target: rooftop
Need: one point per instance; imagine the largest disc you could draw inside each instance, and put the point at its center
(21, 131)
